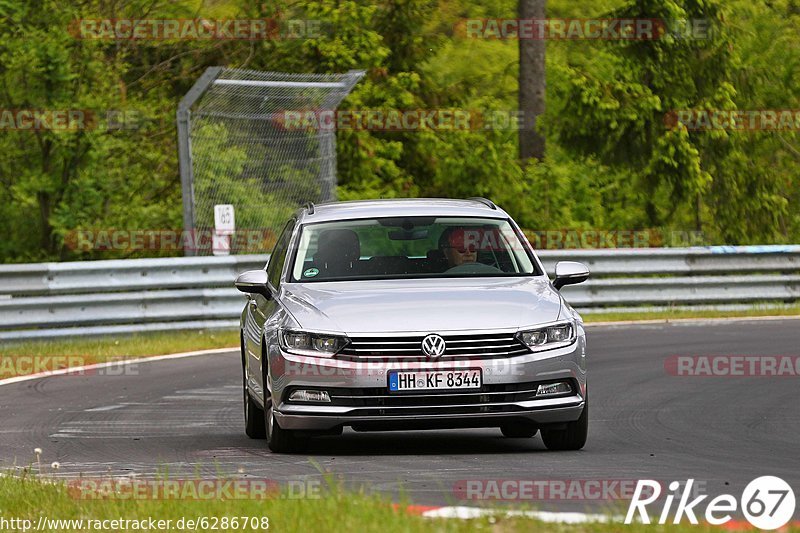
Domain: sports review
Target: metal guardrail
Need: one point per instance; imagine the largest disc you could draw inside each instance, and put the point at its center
(48, 279)
(52, 300)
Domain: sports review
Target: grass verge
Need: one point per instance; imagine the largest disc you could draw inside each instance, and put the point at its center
(612, 316)
(338, 510)
(38, 356)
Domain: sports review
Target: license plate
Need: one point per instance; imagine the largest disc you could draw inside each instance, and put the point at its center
(434, 380)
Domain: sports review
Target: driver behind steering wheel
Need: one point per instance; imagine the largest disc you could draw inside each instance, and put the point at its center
(457, 246)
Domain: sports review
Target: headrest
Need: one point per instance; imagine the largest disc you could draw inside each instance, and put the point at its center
(339, 243)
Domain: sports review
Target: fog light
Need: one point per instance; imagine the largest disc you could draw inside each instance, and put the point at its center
(550, 389)
(309, 396)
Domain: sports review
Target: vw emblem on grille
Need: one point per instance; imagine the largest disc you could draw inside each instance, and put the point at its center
(433, 346)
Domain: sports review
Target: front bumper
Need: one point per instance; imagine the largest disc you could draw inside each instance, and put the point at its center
(360, 396)
(559, 411)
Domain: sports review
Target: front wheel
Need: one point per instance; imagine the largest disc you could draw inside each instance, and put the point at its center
(573, 437)
(279, 440)
(253, 418)
(253, 413)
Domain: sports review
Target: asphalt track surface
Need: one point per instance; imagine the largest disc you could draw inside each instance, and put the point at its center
(184, 416)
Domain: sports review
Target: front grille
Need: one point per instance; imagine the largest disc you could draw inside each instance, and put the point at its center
(459, 346)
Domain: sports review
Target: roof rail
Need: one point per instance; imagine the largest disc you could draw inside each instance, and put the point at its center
(310, 207)
(485, 201)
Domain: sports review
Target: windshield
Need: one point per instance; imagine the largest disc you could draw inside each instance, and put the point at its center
(410, 247)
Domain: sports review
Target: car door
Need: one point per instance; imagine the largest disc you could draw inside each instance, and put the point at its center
(262, 310)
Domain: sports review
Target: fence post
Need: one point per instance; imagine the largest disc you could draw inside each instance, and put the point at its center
(185, 150)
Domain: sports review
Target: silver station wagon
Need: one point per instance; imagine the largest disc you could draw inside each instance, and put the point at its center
(410, 314)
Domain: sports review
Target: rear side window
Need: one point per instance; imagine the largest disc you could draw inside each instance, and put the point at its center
(278, 257)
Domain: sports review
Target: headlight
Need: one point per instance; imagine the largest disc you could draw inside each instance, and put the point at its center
(313, 344)
(548, 338)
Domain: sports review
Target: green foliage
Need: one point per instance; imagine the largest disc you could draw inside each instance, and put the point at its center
(612, 161)
(614, 105)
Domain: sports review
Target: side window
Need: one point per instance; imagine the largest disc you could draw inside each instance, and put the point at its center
(278, 257)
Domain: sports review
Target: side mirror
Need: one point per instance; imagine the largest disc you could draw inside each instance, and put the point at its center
(254, 282)
(570, 273)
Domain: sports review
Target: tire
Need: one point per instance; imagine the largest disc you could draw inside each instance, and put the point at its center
(279, 440)
(254, 425)
(519, 430)
(573, 437)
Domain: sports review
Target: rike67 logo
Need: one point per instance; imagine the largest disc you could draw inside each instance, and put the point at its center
(767, 502)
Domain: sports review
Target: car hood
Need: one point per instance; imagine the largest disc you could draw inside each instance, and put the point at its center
(422, 305)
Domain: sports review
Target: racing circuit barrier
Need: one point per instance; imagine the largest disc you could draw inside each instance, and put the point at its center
(50, 300)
